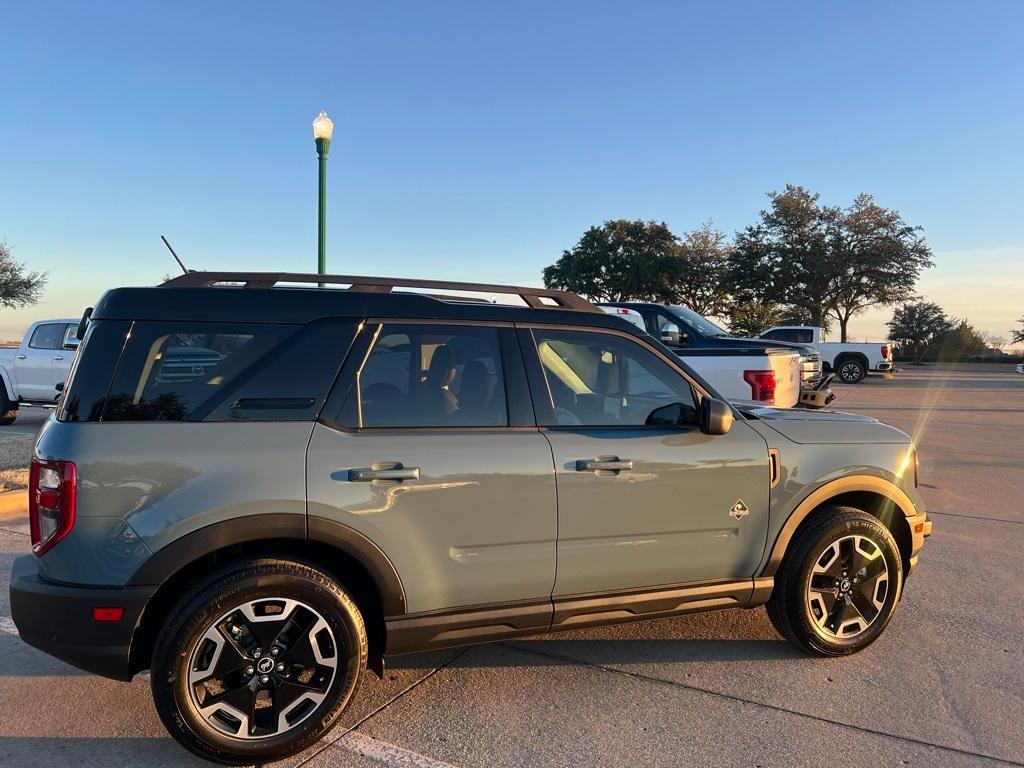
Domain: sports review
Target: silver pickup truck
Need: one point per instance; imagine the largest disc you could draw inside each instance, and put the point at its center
(32, 372)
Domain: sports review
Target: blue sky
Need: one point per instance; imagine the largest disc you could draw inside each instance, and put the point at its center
(478, 140)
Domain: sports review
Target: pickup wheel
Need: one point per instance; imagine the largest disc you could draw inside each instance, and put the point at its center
(838, 585)
(8, 409)
(258, 661)
(851, 370)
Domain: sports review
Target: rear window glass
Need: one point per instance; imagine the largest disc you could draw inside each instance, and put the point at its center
(225, 371)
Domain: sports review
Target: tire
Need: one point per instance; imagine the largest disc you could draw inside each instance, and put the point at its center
(820, 603)
(8, 409)
(851, 370)
(306, 662)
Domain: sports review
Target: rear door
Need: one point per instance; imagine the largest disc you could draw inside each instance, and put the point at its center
(641, 503)
(428, 447)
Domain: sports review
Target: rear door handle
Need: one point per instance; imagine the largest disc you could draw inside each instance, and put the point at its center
(595, 465)
(22, 356)
(396, 473)
(58, 357)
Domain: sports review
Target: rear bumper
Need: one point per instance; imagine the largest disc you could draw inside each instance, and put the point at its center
(57, 619)
(887, 366)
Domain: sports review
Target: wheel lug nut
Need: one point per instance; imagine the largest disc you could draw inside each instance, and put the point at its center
(265, 679)
(274, 651)
(250, 671)
(257, 653)
(280, 667)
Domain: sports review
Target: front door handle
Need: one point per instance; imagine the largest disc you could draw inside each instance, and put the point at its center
(22, 356)
(596, 465)
(58, 357)
(395, 473)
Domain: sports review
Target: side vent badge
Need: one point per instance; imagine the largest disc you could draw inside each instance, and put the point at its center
(739, 509)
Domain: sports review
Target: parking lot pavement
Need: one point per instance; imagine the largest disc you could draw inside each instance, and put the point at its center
(944, 686)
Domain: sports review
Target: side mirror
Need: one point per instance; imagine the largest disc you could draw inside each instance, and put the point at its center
(671, 336)
(59, 386)
(71, 343)
(715, 417)
(672, 415)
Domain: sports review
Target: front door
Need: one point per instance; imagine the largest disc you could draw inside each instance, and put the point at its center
(432, 453)
(641, 504)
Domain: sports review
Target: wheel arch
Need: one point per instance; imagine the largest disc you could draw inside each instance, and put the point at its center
(8, 384)
(344, 553)
(874, 495)
(860, 357)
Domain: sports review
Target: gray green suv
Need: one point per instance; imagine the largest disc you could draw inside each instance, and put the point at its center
(257, 488)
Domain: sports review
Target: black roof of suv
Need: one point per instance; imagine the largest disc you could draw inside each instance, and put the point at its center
(274, 297)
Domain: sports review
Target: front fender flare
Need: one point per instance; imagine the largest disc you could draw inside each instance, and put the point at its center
(830, 490)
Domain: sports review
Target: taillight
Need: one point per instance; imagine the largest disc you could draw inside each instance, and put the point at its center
(52, 489)
(762, 385)
(885, 351)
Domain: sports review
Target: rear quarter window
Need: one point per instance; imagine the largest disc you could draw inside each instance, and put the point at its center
(220, 372)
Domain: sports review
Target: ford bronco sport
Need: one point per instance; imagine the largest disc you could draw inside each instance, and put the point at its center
(257, 490)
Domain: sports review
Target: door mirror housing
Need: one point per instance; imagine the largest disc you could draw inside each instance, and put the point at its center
(671, 336)
(673, 415)
(71, 344)
(715, 417)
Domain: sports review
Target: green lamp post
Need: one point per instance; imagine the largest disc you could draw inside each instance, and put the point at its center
(323, 128)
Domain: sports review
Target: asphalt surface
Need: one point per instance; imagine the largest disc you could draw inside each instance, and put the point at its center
(944, 686)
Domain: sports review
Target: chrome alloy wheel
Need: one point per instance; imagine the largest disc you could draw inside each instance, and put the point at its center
(848, 586)
(262, 668)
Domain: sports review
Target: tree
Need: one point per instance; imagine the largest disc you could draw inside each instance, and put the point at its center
(823, 261)
(877, 258)
(1018, 333)
(620, 261)
(18, 287)
(915, 327)
(961, 341)
(700, 284)
(783, 258)
(750, 317)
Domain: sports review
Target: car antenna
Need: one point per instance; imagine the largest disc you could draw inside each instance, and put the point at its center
(183, 269)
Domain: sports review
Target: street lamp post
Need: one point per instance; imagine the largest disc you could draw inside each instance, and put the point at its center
(323, 128)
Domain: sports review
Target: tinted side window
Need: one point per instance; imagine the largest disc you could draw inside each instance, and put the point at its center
(225, 371)
(49, 336)
(598, 379)
(433, 376)
(93, 370)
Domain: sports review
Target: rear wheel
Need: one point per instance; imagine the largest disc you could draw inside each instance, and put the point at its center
(258, 662)
(851, 370)
(838, 585)
(8, 409)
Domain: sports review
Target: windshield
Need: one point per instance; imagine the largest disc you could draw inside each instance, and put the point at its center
(702, 324)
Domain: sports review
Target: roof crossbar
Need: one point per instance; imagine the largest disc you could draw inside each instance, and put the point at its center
(534, 297)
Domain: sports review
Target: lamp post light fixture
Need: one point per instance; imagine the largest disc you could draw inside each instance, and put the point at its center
(323, 128)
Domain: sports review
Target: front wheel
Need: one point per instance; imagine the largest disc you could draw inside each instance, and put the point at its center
(258, 662)
(8, 409)
(838, 585)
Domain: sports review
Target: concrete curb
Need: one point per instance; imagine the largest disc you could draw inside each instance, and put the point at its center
(14, 506)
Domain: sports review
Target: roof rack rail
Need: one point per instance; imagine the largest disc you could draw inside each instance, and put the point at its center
(534, 297)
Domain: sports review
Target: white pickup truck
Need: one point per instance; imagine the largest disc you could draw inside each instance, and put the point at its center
(740, 369)
(32, 372)
(851, 362)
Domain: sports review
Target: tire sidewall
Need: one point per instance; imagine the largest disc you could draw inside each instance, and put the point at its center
(880, 536)
(174, 649)
(861, 371)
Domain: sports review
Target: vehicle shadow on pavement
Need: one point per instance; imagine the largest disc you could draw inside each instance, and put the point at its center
(16, 751)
